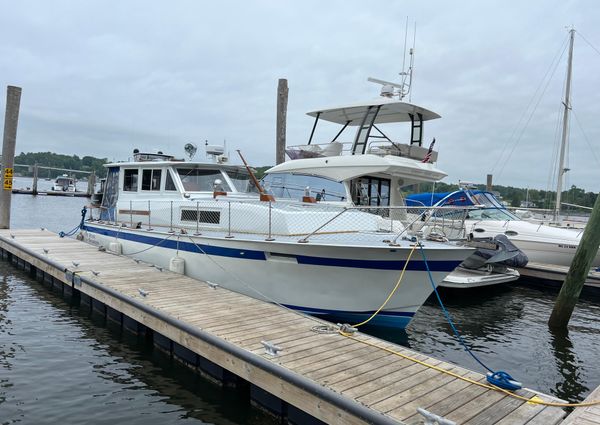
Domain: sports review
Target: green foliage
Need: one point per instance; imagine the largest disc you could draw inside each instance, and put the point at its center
(259, 172)
(49, 159)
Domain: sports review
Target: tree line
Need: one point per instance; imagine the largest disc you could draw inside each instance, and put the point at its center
(55, 160)
(512, 196)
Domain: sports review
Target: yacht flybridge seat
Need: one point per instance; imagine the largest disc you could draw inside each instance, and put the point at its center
(367, 118)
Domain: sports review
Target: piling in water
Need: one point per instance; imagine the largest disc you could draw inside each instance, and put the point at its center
(282, 100)
(11, 119)
(578, 272)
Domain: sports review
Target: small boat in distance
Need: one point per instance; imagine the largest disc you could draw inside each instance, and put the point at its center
(64, 183)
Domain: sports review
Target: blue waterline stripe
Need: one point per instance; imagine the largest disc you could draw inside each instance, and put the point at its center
(338, 312)
(413, 265)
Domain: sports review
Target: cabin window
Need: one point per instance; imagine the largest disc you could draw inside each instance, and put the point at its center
(202, 216)
(293, 186)
(151, 179)
(200, 180)
(242, 181)
(371, 191)
(169, 183)
(130, 180)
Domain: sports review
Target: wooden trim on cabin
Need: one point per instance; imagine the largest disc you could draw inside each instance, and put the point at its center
(134, 212)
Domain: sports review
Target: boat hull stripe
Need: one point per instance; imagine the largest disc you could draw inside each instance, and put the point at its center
(414, 265)
(312, 310)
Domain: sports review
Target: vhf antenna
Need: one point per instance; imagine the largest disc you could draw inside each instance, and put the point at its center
(407, 74)
(402, 89)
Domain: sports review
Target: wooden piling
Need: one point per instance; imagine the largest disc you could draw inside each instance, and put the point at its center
(282, 100)
(488, 185)
(34, 187)
(11, 119)
(578, 272)
(91, 182)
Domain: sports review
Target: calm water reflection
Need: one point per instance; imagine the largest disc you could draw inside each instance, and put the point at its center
(56, 362)
(60, 363)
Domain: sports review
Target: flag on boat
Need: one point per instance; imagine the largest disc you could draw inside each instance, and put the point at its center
(427, 157)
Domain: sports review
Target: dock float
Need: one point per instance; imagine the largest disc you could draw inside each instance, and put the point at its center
(52, 193)
(294, 370)
(554, 275)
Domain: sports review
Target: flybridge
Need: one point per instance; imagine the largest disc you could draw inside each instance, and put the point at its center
(367, 117)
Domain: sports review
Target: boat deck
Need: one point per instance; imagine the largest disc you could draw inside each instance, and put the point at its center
(332, 377)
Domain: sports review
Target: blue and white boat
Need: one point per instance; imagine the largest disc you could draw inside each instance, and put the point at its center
(541, 243)
(334, 241)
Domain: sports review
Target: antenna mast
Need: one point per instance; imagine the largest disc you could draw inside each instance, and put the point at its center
(407, 74)
(565, 128)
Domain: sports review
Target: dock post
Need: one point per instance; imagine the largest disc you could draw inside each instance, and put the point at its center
(34, 187)
(91, 183)
(488, 186)
(580, 267)
(11, 119)
(282, 101)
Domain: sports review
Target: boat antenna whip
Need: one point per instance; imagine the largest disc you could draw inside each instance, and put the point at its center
(263, 195)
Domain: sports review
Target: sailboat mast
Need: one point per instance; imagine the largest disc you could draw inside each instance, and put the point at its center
(565, 128)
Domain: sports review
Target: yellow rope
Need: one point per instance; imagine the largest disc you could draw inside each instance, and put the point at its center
(533, 400)
(391, 293)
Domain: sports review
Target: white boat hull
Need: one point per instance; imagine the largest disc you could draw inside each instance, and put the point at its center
(541, 244)
(349, 282)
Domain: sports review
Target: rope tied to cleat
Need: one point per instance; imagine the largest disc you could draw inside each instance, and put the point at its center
(497, 378)
(76, 228)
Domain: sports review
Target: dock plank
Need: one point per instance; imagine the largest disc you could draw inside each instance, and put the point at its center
(588, 414)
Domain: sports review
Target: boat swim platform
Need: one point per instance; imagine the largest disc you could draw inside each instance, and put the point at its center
(314, 378)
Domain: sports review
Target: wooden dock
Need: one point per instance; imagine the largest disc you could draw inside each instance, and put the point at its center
(52, 193)
(586, 415)
(328, 376)
(554, 275)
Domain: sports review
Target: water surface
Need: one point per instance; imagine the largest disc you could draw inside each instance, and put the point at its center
(59, 365)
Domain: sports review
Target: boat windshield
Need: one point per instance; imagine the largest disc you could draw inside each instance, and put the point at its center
(293, 186)
(242, 181)
(201, 180)
(493, 209)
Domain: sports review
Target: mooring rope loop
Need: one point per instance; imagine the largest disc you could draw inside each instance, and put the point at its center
(76, 228)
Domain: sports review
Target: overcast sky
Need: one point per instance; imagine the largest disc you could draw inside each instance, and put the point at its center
(104, 77)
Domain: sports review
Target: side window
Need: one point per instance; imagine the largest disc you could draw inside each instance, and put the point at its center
(130, 180)
(151, 179)
(169, 183)
(155, 180)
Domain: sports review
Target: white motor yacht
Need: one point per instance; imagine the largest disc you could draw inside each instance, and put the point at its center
(328, 234)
